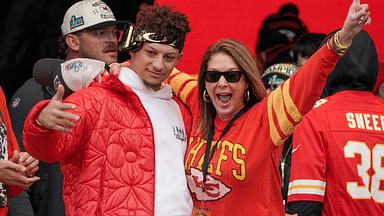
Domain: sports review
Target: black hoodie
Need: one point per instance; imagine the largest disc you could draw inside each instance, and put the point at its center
(357, 70)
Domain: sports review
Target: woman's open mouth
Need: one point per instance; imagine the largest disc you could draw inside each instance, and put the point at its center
(224, 98)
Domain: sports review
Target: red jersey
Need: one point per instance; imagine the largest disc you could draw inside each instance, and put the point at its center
(243, 176)
(337, 155)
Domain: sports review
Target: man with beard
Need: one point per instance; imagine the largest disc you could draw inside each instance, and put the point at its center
(124, 137)
(89, 30)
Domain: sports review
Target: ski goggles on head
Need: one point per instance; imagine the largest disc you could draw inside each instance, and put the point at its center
(230, 76)
(133, 38)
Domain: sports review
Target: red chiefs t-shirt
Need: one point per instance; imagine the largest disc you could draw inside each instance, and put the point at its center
(243, 176)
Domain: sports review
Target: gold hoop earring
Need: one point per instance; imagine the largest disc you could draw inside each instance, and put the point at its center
(246, 96)
(206, 96)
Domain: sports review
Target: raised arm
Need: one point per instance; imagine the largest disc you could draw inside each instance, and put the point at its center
(357, 17)
(293, 99)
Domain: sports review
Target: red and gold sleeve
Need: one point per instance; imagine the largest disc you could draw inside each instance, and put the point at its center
(288, 104)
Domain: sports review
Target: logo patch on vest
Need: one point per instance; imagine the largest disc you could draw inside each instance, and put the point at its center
(16, 102)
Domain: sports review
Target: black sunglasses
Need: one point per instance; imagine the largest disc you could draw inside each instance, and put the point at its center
(230, 76)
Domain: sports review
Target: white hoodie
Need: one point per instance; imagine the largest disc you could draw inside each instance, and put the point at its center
(172, 196)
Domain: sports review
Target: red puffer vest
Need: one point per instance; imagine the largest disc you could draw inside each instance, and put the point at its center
(108, 160)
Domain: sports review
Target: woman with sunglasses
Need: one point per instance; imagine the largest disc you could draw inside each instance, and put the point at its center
(233, 153)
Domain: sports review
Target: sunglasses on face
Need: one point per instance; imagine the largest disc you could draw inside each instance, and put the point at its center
(230, 76)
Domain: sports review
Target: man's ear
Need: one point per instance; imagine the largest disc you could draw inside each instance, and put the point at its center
(132, 54)
(73, 42)
(180, 56)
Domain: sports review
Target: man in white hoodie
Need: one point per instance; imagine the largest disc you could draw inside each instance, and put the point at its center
(122, 150)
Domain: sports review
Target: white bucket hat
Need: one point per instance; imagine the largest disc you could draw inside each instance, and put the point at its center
(88, 14)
